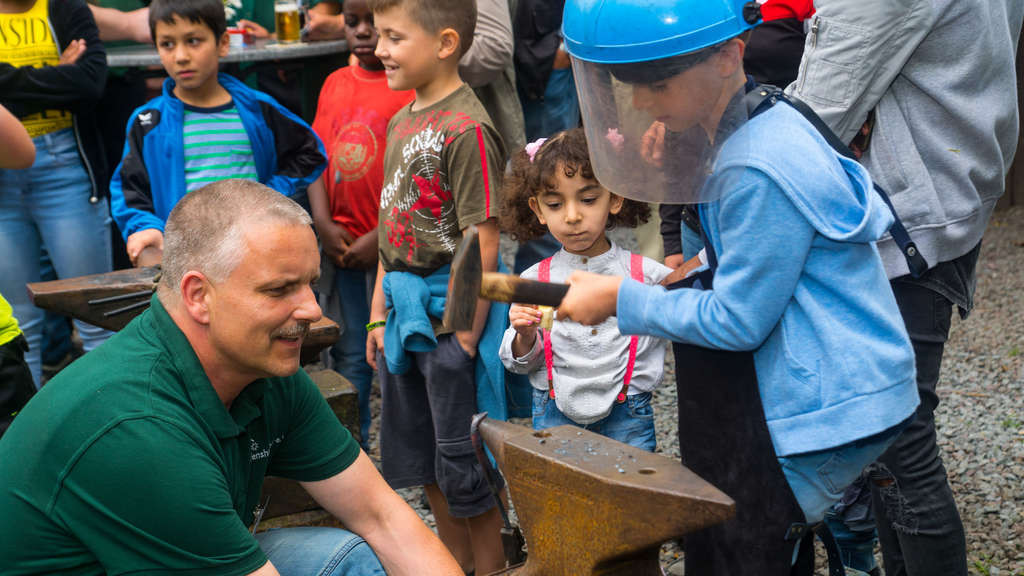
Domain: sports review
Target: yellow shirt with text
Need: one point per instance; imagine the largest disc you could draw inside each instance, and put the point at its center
(26, 39)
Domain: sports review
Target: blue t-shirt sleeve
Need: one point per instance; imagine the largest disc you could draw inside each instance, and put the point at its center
(763, 242)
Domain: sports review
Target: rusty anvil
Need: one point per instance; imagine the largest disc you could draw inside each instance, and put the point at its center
(467, 282)
(589, 505)
(111, 300)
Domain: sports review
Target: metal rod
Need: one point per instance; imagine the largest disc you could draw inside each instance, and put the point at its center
(127, 308)
(120, 297)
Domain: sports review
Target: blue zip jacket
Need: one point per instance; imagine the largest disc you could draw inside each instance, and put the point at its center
(800, 283)
(150, 179)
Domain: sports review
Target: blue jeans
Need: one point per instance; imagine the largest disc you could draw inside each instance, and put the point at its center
(48, 205)
(313, 551)
(56, 327)
(856, 547)
(692, 242)
(818, 479)
(631, 422)
(558, 110)
(349, 352)
(533, 251)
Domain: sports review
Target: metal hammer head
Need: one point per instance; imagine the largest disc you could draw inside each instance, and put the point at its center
(464, 283)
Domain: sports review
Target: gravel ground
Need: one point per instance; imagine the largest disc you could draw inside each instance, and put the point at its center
(980, 417)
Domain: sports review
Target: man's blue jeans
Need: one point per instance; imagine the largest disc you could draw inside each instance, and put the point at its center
(349, 352)
(48, 205)
(313, 551)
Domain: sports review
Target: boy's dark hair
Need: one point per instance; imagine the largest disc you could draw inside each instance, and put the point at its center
(526, 179)
(436, 15)
(208, 12)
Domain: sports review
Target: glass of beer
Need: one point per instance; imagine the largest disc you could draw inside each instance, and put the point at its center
(286, 20)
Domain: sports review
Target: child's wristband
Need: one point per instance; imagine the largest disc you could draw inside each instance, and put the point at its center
(374, 325)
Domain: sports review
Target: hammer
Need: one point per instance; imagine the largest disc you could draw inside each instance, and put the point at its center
(468, 281)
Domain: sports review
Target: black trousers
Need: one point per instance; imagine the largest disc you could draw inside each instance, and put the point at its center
(16, 386)
(919, 526)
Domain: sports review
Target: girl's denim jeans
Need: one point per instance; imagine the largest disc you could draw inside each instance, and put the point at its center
(631, 422)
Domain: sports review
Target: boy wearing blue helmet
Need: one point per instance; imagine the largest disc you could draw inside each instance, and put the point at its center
(795, 368)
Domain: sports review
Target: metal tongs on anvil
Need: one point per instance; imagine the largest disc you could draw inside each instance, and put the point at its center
(590, 505)
(108, 300)
(467, 281)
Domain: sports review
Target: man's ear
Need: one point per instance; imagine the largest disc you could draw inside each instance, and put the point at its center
(535, 207)
(196, 292)
(450, 43)
(615, 204)
(730, 57)
(224, 45)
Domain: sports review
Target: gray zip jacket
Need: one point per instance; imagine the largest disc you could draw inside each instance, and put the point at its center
(940, 76)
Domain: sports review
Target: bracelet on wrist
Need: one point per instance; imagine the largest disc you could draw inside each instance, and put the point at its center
(374, 325)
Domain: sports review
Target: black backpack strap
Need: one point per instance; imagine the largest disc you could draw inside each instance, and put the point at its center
(835, 560)
(804, 534)
(764, 97)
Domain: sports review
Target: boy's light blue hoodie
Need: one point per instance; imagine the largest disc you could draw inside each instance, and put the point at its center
(800, 283)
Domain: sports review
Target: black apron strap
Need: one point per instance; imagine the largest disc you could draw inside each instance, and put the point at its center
(764, 97)
(724, 438)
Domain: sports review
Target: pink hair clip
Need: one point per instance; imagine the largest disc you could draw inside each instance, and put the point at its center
(532, 147)
(615, 138)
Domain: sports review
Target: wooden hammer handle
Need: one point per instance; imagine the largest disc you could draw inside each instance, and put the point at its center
(508, 288)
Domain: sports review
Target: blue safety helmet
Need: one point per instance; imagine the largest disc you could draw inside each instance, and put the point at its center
(622, 31)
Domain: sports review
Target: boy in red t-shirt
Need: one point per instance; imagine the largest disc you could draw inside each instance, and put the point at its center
(352, 120)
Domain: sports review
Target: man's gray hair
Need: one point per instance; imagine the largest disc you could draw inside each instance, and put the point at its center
(206, 230)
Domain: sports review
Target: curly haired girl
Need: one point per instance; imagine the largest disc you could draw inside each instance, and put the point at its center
(592, 377)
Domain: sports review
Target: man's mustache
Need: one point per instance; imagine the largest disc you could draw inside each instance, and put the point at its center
(297, 331)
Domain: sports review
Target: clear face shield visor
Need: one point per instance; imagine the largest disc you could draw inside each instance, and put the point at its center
(654, 128)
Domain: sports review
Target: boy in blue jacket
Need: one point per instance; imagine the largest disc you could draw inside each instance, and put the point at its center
(203, 128)
(795, 370)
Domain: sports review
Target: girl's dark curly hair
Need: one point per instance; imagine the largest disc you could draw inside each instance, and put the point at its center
(566, 151)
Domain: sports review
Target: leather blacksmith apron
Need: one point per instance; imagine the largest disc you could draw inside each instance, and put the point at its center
(724, 438)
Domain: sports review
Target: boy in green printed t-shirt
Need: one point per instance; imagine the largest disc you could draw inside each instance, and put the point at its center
(203, 128)
(442, 170)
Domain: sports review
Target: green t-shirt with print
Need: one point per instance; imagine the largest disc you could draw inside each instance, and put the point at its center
(128, 462)
(442, 173)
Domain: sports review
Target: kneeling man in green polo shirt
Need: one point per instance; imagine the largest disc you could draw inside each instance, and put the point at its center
(147, 455)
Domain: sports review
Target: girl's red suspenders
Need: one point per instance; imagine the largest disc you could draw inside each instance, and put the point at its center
(636, 271)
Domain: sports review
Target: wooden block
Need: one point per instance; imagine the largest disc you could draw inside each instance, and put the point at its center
(316, 517)
(341, 396)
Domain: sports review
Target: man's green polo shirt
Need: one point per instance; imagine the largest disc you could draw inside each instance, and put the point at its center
(128, 463)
